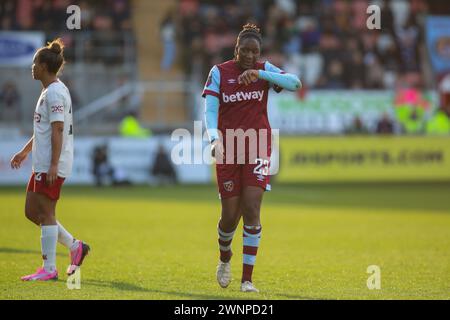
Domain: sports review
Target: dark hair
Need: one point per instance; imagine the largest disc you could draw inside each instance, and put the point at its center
(52, 55)
(248, 31)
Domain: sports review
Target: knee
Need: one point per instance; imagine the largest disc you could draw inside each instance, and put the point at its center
(28, 214)
(229, 220)
(31, 215)
(251, 209)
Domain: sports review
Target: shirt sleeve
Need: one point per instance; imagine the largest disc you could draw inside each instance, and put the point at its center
(271, 68)
(211, 117)
(280, 79)
(55, 105)
(212, 86)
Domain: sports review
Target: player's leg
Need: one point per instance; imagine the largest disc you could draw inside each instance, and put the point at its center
(228, 179)
(78, 249)
(40, 208)
(250, 206)
(45, 216)
(32, 214)
(31, 202)
(65, 237)
(31, 208)
(226, 227)
(229, 220)
(229, 189)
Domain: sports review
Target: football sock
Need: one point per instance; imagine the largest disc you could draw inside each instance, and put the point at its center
(49, 237)
(225, 239)
(252, 236)
(65, 238)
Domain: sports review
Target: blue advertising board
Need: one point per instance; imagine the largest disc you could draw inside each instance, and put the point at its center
(18, 48)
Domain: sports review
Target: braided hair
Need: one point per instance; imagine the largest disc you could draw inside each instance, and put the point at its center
(249, 30)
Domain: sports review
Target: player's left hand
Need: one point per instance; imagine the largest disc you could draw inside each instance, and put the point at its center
(17, 159)
(52, 175)
(248, 77)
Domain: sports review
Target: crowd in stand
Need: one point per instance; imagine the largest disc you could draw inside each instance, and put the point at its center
(108, 18)
(327, 42)
(51, 15)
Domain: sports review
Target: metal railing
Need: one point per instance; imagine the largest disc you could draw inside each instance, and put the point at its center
(106, 47)
(134, 91)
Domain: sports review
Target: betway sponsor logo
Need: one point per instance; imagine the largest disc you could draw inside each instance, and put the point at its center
(243, 96)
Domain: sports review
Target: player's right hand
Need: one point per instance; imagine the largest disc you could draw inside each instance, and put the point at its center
(217, 151)
(248, 77)
(17, 159)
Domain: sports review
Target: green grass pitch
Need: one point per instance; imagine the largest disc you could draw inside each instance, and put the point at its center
(317, 242)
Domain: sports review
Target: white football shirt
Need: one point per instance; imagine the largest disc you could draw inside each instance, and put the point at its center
(53, 105)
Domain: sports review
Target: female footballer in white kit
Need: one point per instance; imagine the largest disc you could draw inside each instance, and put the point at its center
(52, 157)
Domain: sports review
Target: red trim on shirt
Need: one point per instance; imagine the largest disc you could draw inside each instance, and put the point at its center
(211, 93)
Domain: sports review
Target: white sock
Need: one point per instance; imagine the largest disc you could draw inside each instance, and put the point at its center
(65, 238)
(49, 237)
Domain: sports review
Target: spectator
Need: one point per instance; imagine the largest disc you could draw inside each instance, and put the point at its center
(439, 124)
(444, 93)
(131, 128)
(167, 31)
(355, 71)
(408, 40)
(163, 169)
(42, 15)
(357, 127)
(7, 15)
(335, 76)
(121, 15)
(104, 173)
(87, 16)
(385, 125)
(414, 123)
(10, 102)
(101, 169)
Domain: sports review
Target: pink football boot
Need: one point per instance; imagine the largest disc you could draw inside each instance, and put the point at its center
(41, 275)
(77, 256)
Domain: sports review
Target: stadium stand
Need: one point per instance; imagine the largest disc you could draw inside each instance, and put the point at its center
(154, 56)
(325, 41)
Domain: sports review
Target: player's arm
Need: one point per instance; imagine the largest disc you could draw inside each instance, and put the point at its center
(19, 157)
(211, 120)
(274, 75)
(212, 117)
(55, 104)
(211, 93)
(286, 81)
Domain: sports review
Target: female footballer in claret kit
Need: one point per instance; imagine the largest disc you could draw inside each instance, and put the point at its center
(236, 95)
(52, 156)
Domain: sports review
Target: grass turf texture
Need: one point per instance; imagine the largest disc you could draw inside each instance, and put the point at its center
(161, 243)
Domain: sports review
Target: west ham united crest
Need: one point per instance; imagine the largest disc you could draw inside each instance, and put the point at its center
(228, 185)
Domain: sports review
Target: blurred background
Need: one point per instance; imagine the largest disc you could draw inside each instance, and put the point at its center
(363, 157)
(375, 104)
